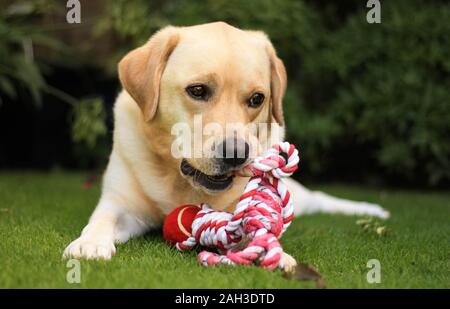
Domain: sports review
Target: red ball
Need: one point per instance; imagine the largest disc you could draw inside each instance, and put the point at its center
(178, 224)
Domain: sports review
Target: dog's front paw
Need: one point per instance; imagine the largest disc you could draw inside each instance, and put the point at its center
(288, 263)
(90, 249)
(373, 210)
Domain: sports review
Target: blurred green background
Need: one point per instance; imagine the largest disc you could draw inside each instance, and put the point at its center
(366, 102)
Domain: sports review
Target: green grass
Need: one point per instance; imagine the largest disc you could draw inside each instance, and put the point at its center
(41, 213)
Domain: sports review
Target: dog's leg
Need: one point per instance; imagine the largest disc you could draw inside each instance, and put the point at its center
(109, 224)
(97, 238)
(307, 201)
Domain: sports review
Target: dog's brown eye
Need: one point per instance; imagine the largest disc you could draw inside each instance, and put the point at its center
(256, 100)
(198, 92)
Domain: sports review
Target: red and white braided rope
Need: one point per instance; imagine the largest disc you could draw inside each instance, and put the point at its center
(262, 215)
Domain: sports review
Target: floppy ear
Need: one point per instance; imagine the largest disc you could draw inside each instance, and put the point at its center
(278, 83)
(141, 69)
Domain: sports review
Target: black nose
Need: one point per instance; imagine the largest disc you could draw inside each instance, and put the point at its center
(233, 151)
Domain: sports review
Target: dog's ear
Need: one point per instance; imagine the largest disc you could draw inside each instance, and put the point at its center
(141, 69)
(278, 83)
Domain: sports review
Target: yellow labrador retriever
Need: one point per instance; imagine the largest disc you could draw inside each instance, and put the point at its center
(221, 73)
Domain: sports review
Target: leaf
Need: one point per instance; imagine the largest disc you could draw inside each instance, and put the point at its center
(306, 272)
(7, 87)
(88, 123)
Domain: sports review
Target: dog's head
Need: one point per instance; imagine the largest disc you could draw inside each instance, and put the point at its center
(219, 86)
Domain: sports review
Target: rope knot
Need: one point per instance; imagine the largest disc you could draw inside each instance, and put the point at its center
(280, 161)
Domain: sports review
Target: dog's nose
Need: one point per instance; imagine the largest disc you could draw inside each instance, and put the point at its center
(233, 151)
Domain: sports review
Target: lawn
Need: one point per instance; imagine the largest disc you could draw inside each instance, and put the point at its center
(41, 213)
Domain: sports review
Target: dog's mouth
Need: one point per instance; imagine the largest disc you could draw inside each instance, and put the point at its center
(212, 183)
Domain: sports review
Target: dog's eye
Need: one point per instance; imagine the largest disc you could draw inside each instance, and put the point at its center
(256, 100)
(198, 92)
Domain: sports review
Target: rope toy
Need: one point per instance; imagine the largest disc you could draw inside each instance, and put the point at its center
(251, 233)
